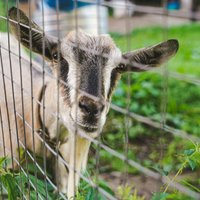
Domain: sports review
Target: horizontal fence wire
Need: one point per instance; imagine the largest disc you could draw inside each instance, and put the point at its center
(155, 124)
(140, 118)
(36, 164)
(186, 78)
(182, 77)
(132, 163)
(106, 194)
(149, 9)
(143, 119)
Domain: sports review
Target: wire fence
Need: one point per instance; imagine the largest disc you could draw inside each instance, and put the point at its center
(49, 154)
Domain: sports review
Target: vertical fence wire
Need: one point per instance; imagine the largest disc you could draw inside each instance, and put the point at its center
(128, 97)
(22, 102)
(72, 161)
(4, 153)
(32, 99)
(97, 147)
(164, 92)
(3, 138)
(44, 97)
(12, 90)
(58, 92)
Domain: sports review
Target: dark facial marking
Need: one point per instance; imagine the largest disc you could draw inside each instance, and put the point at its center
(115, 76)
(64, 69)
(57, 57)
(91, 67)
(63, 65)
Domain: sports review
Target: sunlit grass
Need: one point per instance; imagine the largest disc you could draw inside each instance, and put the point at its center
(188, 58)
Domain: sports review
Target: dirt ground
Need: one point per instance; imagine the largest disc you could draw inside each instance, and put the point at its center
(144, 185)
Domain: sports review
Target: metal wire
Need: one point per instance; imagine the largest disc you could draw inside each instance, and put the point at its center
(61, 159)
(118, 155)
(121, 156)
(150, 10)
(132, 163)
(98, 149)
(97, 142)
(32, 98)
(140, 118)
(22, 104)
(44, 99)
(128, 97)
(183, 77)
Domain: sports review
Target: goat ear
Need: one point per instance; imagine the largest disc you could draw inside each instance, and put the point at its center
(29, 37)
(147, 58)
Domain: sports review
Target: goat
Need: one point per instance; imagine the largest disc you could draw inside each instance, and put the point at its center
(88, 68)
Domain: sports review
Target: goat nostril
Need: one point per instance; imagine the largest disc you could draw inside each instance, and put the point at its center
(84, 107)
(96, 112)
(89, 107)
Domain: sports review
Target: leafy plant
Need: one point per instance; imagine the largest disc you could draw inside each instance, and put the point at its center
(191, 158)
(8, 181)
(128, 193)
(160, 196)
(87, 192)
(18, 184)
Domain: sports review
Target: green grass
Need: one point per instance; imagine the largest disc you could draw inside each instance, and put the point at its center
(3, 12)
(188, 57)
(147, 89)
(151, 147)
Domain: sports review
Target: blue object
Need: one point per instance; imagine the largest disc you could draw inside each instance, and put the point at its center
(173, 5)
(66, 5)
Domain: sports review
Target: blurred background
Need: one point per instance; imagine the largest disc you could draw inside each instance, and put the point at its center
(155, 117)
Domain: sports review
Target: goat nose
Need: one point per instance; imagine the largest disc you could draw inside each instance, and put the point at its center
(90, 107)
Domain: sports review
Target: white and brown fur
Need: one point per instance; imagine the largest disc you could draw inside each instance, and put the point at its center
(88, 68)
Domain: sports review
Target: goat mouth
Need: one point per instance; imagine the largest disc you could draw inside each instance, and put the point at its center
(87, 127)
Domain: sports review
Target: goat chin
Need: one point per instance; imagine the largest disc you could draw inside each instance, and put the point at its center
(80, 128)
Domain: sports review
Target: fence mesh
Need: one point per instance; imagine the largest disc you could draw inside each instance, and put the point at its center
(129, 155)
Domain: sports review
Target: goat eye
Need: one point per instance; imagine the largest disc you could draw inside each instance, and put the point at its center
(120, 68)
(55, 56)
